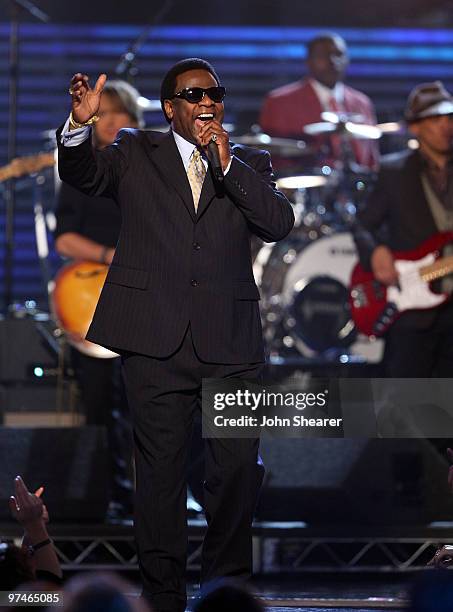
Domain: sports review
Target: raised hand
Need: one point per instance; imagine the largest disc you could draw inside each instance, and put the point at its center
(85, 100)
(443, 557)
(25, 507)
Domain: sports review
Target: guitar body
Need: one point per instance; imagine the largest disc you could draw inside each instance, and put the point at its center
(76, 293)
(374, 307)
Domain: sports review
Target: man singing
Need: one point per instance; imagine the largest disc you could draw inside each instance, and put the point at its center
(180, 304)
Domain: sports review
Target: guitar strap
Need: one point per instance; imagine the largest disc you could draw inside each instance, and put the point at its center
(443, 218)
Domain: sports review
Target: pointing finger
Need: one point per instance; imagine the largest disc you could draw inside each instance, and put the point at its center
(22, 492)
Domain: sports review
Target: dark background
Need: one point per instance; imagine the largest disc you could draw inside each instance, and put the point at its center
(350, 13)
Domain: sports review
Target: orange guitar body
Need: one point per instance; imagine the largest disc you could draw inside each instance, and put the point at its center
(77, 289)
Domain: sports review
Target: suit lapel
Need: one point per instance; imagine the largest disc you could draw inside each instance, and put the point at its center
(165, 156)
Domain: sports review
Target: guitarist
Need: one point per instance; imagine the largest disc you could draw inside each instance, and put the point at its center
(412, 201)
(88, 229)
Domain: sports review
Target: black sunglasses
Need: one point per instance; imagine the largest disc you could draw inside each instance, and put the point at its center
(196, 94)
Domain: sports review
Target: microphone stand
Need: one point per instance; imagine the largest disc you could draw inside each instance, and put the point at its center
(10, 195)
(125, 67)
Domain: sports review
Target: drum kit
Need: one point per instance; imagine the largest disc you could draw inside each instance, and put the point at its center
(304, 279)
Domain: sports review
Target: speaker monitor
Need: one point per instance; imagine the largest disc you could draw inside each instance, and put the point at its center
(361, 481)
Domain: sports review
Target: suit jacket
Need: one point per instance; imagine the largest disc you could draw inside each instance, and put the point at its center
(173, 266)
(398, 215)
(288, 109)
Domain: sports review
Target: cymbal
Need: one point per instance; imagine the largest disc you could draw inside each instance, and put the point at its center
(149, 105)
(286, 147)
(342, 124)
(392, 127)
(303, 181)
(342, 117)
(353, 130)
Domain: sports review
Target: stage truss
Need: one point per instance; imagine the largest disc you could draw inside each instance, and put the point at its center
(277, 547)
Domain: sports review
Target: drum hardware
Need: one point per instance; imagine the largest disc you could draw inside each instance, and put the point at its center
(304, 181)
(163, 127)
(306, 193)
(149, 105)
(342, 124)
(280, 147)
(393, 127)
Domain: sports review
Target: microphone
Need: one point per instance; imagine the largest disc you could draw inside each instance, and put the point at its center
(213, 155)
(214, 158)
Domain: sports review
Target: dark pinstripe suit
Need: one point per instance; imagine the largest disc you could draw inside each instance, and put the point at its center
(172, 267)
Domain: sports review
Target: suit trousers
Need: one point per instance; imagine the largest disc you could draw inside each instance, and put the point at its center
(163, 396)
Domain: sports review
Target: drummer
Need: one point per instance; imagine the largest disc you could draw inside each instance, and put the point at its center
(288, 109)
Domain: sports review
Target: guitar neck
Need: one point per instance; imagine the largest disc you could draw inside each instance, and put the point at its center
(22, 166)
(438, 269)
(6, 173)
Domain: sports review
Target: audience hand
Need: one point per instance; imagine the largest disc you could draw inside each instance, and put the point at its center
(443, 557)
(27, 508)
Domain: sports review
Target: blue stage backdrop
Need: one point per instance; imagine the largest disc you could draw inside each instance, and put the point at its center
(386, 63)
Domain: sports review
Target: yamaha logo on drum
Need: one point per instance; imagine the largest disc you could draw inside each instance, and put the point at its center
(342, 251)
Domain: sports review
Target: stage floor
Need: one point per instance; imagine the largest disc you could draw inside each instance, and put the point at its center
(329, 593)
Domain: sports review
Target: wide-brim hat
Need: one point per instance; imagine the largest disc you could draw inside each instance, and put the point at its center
(428, 100)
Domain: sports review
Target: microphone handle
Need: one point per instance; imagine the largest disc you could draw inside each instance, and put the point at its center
(214, 158)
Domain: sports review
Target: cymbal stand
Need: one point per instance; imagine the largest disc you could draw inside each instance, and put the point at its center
(10, 195)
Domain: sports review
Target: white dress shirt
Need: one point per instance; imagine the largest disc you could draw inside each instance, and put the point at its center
(325, 94)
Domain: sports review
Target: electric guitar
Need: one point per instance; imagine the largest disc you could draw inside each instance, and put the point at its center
(374, 307)
(21, 166)
(78, 286)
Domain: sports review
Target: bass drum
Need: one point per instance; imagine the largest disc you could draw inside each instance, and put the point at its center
(304, 286)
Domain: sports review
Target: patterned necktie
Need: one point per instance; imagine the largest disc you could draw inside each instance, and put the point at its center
(196, 173)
